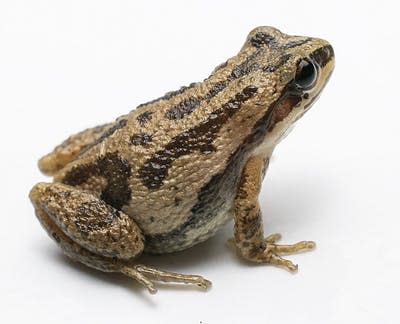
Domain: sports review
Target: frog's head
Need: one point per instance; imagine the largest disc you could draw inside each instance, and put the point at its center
(295, 70)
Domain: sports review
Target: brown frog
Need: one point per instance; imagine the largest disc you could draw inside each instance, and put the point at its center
(170, 173)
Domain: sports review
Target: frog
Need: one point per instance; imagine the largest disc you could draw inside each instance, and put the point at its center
(173, 171)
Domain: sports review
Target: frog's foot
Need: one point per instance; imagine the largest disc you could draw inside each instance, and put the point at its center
(146, 275)
(271, 253)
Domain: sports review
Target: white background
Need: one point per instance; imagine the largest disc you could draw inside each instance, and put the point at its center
(69, 65)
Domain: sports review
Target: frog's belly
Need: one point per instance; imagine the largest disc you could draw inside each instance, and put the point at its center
(191, 233)
(214, 207)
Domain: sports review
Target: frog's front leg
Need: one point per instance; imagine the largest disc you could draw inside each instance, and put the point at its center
(92, 232)
(249, 237)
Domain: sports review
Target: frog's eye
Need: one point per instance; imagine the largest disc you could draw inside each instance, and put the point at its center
(306, 74)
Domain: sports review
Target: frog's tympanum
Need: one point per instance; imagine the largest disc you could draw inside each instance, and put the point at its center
(170, 173)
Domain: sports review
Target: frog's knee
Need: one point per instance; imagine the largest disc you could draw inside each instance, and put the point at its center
(36, 192)
(49, 194)
(89, 221)
(50, 164)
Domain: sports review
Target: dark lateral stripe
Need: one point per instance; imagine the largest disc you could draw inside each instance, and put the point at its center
(283, 109)
(199, 138)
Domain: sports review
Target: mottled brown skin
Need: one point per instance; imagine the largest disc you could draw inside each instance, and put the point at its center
(170, 173)
(70, 149)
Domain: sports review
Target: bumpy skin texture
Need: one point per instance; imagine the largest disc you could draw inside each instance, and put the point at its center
(90, 222)
(170, 170)
(70, 149)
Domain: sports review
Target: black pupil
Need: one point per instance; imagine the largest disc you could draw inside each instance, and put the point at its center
(306, 74)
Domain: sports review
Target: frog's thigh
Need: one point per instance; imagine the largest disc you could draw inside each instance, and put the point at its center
(70, 149)
(80, 254)
(89, 221)
(249, 237)
(72, 249)
(96, 234)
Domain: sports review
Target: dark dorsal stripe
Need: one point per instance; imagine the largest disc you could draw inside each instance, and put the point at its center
(117, 125)
(182, 109)
(141, 138)
(273, 67)
(296, 43)
(188, 105)
(262, 38)
(144, 117)
(199, 138)
(172, 94)
(238, 71)
(169, 95)
(215, 89)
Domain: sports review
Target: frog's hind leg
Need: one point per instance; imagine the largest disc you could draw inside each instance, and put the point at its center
(70, 149)
(90, 231)
(249, 237)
